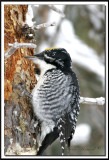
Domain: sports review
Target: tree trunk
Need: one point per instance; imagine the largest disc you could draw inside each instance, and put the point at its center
(19, 131)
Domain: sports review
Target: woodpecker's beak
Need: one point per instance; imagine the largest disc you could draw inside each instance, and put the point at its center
(30, 57)
(37, 56)
(38, 59)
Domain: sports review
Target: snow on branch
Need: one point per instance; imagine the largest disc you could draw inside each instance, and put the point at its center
(17, 45)
(57, 10)
(43, 25)
(98, 101)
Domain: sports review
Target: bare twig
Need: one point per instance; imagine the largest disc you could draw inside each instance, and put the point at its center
(43, 25)
(17, 45)
(56, 10)
(98, 101)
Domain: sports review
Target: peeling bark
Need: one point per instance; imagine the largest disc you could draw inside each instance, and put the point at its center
(19, 120)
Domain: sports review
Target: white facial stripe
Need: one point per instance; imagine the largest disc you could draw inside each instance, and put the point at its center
(43, 65)
(47, 57)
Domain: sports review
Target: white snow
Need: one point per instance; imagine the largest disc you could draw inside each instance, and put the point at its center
(82, 134)
(54, 17)
(29, 16)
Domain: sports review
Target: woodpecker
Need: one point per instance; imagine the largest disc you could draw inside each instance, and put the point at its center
(55, 98)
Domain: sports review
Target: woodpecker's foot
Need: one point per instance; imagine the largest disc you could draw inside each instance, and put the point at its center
(22, 87)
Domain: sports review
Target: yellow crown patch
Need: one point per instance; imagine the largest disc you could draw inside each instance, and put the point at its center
(51, 48)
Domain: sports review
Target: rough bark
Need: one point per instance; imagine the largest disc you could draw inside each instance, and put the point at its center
(19, 132)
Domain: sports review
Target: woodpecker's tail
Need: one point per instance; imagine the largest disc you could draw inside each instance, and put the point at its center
(48, 140)
(65, 127)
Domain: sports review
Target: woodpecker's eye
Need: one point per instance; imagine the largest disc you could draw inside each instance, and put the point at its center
(54, 54)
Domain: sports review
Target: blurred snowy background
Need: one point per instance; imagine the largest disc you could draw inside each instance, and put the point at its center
(82, 33)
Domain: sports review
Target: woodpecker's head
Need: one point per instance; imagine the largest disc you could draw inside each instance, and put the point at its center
(57, 57)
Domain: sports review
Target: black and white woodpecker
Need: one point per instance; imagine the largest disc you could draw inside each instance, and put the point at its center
(55, 98)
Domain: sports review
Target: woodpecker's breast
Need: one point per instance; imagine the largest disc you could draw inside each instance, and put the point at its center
(51, 95)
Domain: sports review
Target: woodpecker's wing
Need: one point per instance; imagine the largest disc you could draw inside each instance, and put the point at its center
(72, 116)
(67, 122)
